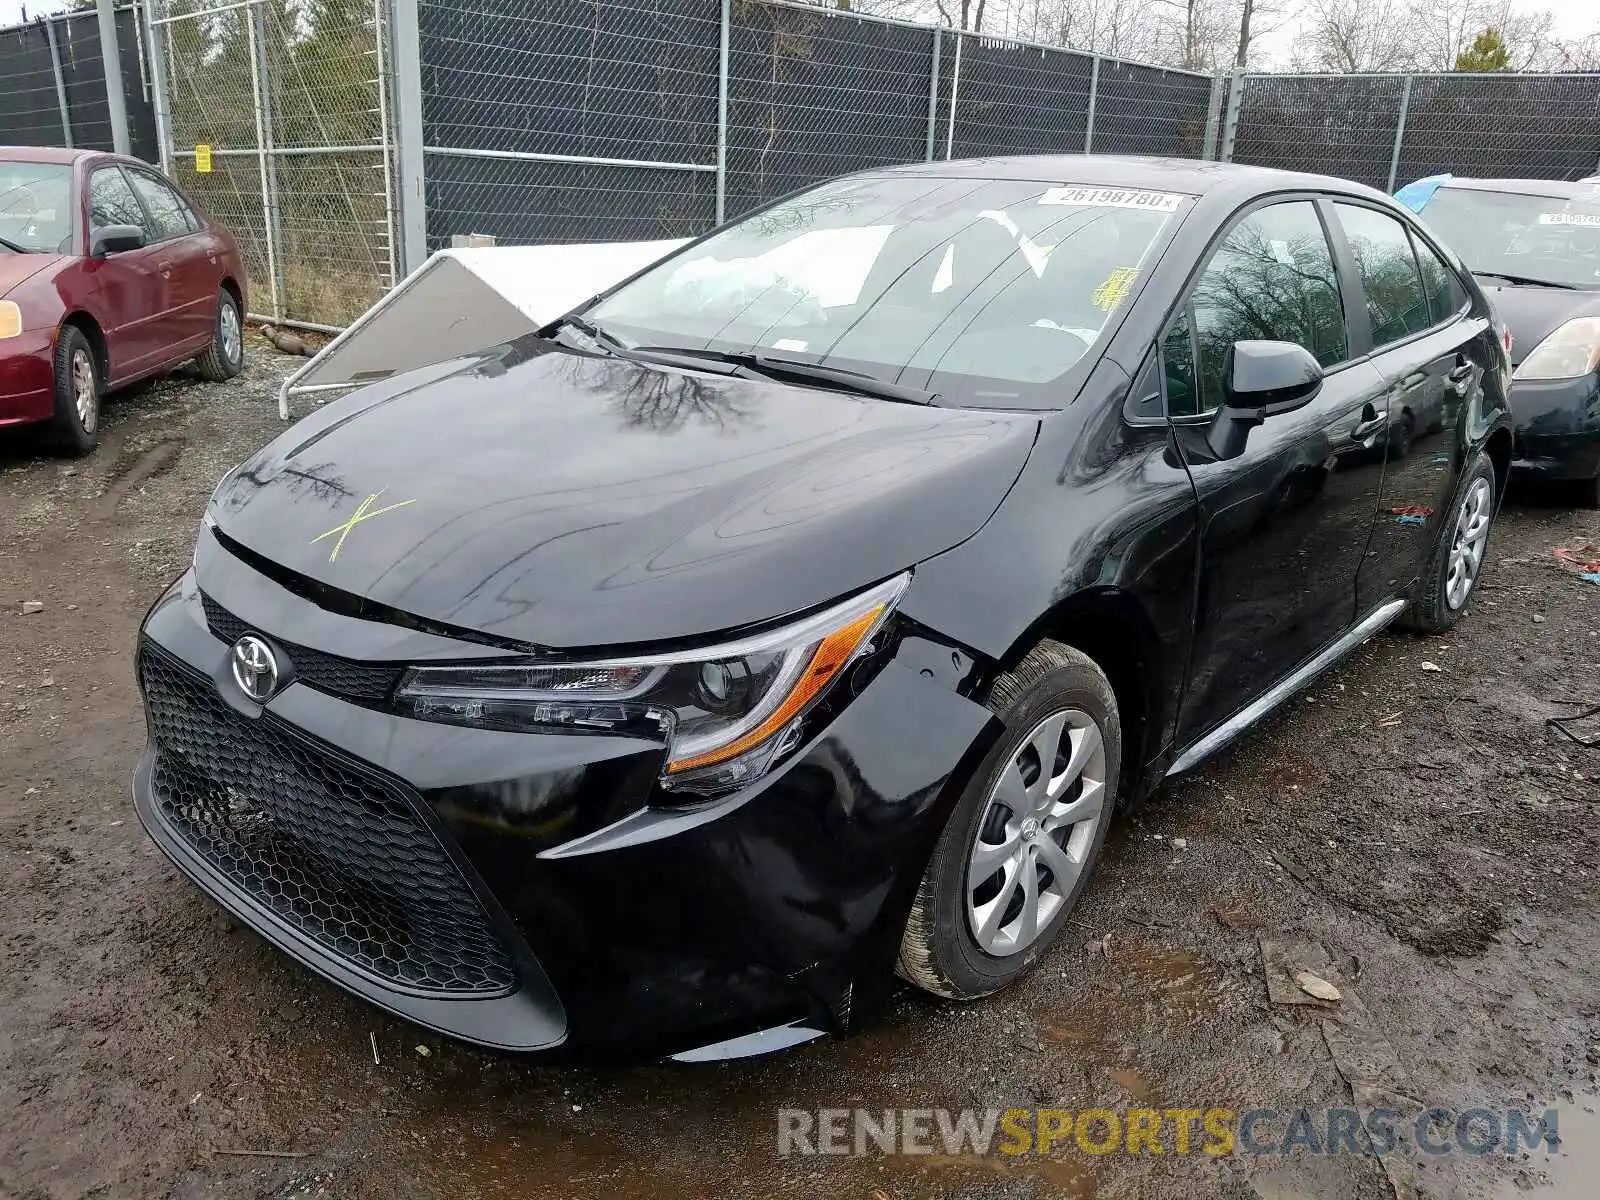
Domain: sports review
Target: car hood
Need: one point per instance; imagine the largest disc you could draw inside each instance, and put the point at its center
(555, 499)
(1533, 313)
(16, 268)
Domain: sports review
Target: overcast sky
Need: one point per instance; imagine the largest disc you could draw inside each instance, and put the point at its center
(1574, 18)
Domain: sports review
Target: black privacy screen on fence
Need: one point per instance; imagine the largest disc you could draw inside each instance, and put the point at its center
(597, 120)
(30, 106)
(1519, 126)
(508, 87)
(812, 95)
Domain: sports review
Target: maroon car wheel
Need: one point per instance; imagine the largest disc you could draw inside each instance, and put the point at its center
(77, 380)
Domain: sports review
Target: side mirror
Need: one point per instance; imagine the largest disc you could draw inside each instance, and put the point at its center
(114, 239)
(1260, 380)
(1270, 377)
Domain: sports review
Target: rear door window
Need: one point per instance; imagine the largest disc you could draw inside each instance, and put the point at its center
(1397, 302)
(171, 215)
(1446, 296)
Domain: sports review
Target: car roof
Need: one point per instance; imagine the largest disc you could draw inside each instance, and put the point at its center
(62, 155)
(1525, 187)
(1184, 175)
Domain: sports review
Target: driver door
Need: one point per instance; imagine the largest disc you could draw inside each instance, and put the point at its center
(1285, 524)
(131, 294)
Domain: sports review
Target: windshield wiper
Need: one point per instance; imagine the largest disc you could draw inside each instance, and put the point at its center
(606, 341)
(770, 367)
(12, 246)
(1525, 280)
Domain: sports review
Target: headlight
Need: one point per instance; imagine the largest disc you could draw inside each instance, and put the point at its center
(726, 712)
(1571, 351)
(10, 319)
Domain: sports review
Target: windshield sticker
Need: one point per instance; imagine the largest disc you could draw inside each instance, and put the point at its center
(1569, 218)
(1097, 197)
(1115, 289)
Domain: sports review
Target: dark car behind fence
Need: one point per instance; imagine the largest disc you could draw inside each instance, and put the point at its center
(345, 140)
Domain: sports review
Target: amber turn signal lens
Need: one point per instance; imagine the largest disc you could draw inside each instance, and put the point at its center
(831, 654)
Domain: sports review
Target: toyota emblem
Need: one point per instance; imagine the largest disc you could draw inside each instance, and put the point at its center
(255, 668)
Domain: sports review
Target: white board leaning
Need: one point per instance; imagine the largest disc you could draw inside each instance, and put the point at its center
(461, 301)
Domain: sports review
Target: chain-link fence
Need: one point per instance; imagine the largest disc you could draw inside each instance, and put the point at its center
(1386, 130)
(343, 140)
(274, 118)
(53, 84)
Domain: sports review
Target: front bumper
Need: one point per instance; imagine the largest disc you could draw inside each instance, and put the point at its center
(1557, 428)
(625, 927)
(27, 377)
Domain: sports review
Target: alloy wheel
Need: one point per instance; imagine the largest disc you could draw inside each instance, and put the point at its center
(232, 339)
(1466, 548)
(84, 399)
(1038, 824)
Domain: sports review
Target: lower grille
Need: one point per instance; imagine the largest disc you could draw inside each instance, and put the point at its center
(341, 856)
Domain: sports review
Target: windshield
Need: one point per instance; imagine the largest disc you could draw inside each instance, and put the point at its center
(1553, 238)
(981, 291)
(35, 205)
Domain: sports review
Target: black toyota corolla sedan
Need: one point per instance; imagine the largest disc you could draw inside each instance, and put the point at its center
(802, 611)
(1535, 246)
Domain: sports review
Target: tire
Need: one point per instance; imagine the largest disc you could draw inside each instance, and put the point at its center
(1589, 493)
(945, 948)
(224, 358)
(1400, 438)
(1442, 602)
(75, 428)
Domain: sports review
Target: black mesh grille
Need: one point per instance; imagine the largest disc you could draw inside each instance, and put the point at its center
(340, 855)
(366, 683)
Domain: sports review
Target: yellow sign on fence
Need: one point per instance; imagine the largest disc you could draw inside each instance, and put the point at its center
(202, 159)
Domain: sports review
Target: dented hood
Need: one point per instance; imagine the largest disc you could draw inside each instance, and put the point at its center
(564, 500)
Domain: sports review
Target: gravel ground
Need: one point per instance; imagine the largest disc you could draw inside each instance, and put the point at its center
(1427, 827)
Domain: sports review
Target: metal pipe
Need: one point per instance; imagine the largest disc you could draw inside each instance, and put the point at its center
(159, 99)
(253, 44)
(111, 64)
(1399, 133)
(584, 159)
(287, 151)
(955, 91)
(266, 134)
(61, 85)
(724, 56)
(1094, 90)
(410, 195)
(933, 93)
(293, 323)
(383, 128)
(209, 11)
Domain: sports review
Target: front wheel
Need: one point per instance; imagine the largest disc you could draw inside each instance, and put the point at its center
(224, 358)
(76, 424)
(1451, 577)
(1018, 850)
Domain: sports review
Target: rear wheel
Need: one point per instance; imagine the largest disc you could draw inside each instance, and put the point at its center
(224, 358)
(76, 425)
(1019, 848)
(1451, 577)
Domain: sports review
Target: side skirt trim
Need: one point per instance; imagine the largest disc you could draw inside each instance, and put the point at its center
(1252, 713)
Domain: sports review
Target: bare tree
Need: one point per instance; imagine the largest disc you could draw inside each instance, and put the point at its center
(1355, 35)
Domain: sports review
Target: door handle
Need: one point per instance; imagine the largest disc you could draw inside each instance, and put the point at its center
(165, 268)
(1371, 422)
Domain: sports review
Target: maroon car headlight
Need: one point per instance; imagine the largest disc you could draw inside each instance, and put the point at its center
(10, 319)
(727, 712)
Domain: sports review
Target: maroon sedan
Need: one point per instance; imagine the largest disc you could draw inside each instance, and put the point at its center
(107, 275)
